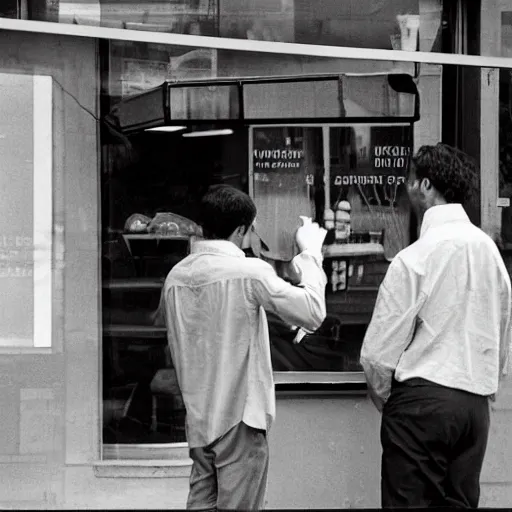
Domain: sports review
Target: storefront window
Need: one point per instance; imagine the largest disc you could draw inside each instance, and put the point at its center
(26, 211)
(332, 146)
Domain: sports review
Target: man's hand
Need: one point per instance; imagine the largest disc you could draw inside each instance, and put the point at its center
(310, 236)
(379, 404)
(158, 318)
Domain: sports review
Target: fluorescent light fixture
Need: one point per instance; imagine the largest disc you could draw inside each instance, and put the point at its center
(168, 129)
(209, 133)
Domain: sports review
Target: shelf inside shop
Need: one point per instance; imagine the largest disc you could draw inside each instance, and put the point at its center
(134, 331)
(154, 236)
(134, 283)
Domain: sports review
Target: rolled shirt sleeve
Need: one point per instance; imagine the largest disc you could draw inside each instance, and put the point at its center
(302, 305)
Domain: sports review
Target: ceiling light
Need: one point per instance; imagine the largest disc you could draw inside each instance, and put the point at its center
(167, 129)
(209, 133)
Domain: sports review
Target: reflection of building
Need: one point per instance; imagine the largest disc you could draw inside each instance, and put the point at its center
(196, 17)
(57, 400)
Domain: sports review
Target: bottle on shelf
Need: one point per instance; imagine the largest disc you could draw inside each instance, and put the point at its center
(342, 224)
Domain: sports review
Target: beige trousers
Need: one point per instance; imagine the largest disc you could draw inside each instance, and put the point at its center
(231, 473)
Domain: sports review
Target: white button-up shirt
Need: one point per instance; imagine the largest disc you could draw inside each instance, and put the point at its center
(443, 311)
(215, 301)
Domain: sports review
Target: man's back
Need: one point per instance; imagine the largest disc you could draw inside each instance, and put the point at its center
(462, 292)
(215, 302)
(438, 342)
(218, 335)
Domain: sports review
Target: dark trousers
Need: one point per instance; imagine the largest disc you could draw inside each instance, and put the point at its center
(231, 473)
(433, 440)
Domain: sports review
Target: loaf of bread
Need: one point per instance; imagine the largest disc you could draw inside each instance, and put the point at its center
(173, 224)
(137, 223)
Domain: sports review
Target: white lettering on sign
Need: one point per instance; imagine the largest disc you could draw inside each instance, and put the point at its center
(369, 180)
(278, 154)
(392, 151)
(278, 158)
(390, 163)
(277, 165)
(391, 157)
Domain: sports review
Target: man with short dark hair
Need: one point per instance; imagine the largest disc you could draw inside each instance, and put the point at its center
(215, 301)
(438, 342)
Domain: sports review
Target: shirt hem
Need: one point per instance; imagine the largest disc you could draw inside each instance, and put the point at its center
(450, 385)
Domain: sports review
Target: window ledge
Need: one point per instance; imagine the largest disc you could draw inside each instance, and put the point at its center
(143, 468)
(314, 384)
(323, 377)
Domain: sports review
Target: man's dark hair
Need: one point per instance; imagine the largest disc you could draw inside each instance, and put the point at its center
(224, 208)
(452, 172)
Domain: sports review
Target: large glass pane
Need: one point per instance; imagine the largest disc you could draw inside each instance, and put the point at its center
(162, 182)
(504, 217)
(348, 174)
(410, 25)
(350, 179)
(505, 157)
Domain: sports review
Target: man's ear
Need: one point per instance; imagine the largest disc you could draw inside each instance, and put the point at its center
(237, 233)
(426, 184)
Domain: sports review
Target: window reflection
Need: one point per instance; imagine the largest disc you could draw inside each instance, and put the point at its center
(197, 17)
(350, 179)
(385, 24)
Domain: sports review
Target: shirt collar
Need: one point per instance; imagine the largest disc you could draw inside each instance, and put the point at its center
(221, 247)
(443, 214)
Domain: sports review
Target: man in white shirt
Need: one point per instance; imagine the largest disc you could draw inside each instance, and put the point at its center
(215, 301)
(438, 343)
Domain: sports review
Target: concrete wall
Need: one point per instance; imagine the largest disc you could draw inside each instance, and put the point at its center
(325, 453)
(51, 400)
